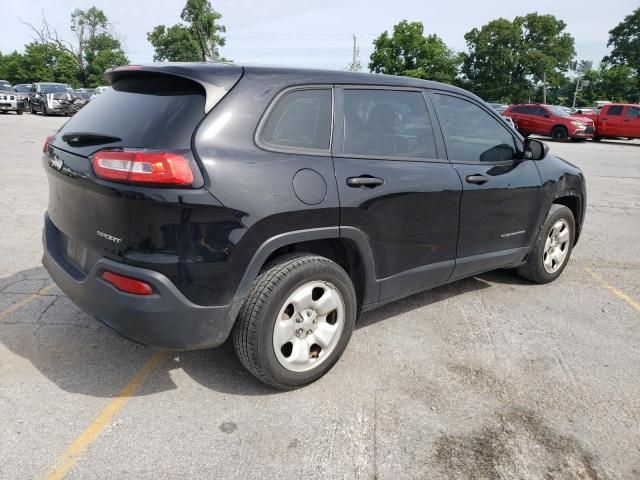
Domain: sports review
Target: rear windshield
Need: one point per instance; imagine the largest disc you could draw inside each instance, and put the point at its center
(146, 111)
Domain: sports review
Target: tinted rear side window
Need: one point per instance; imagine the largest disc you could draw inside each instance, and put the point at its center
(387, 123)
(633, 111)
(615, 110)
(147, 111)
(471, 134)
(300, 120)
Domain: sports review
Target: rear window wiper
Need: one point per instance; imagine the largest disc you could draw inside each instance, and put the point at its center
(86, 139)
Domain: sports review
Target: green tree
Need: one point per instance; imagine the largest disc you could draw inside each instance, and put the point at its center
(409, 52)
(625, 39)
(507, 58)
(94, 48)
(174, 44)
(617, 83)
(39, 62)
(102, 52)
(203, 19)
(10, 67)
(198, 39)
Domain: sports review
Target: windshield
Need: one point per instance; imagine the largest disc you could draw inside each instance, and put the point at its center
(6, 86)
(22, 88)
(559, 111)
(54, 88)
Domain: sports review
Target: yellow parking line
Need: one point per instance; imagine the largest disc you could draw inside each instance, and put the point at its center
(70, 456)
(5, 313)
(616, 291)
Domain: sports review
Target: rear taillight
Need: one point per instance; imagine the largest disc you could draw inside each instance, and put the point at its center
(127, 284)
(47, 141)
(139, 166)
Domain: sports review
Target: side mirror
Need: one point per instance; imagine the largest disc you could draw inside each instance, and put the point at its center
(546, 115)
(535, 149)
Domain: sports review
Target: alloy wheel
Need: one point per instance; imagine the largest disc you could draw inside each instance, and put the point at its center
(309, 326)
(556, 246)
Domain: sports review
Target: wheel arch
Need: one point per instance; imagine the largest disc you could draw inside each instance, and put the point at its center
(561, 126)
(346, 246)
(574, 203)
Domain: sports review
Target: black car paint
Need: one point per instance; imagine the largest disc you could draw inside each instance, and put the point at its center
(424, 226)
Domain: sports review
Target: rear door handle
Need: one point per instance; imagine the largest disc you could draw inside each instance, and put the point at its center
(477, 179)
(364, 181)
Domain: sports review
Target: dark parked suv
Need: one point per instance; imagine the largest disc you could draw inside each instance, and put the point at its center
(196, 201)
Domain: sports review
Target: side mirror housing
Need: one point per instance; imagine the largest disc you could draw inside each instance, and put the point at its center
(535, 149)
(546, 115)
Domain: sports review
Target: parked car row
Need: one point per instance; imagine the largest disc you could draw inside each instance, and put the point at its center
(613, 120)
(47, 98)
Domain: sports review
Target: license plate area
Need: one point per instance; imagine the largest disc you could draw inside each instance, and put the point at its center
(77, 253)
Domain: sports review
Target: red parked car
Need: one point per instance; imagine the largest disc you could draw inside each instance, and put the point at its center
(616, 120)
(551, 121)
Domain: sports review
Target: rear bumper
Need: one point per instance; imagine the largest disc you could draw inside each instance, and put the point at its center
(164, 319)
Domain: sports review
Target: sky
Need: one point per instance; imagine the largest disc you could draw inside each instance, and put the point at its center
(317, 33)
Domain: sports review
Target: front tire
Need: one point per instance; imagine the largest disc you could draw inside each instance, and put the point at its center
(560, 134)
(296, 321)
(553, 247)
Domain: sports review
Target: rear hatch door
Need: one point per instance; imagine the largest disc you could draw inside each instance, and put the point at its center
(154, 108)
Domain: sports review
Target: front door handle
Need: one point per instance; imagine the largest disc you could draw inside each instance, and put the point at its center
(477, 179)
(364, 181)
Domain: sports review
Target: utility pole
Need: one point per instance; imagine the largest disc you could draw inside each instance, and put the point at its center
(575, 93)
(355, 49)
(544, 87)
(580, 67)
(355, 65)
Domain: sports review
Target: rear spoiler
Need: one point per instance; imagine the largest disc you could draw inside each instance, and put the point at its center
(215, 78)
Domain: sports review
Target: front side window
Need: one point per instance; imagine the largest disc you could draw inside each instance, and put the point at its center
(301, 119)
(471, 134)
(615, 110)
(387, 123)
(633, 112)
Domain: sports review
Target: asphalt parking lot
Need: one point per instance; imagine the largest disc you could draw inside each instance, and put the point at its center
(490, 377)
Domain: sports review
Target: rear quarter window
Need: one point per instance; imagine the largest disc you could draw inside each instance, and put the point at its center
(300, 120)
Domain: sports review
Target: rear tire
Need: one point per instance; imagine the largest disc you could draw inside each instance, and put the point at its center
(19, 112)
(560, 134)
(283, 331)
(553, 247)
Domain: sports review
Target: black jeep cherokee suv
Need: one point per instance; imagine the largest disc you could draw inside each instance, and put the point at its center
(197, 201)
